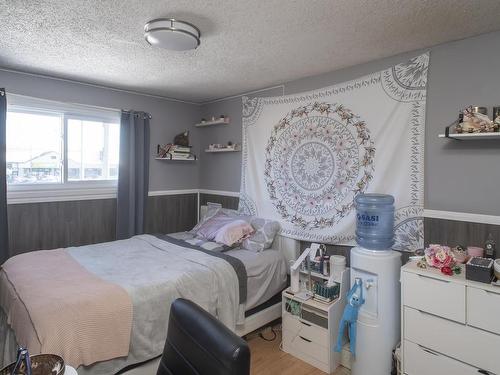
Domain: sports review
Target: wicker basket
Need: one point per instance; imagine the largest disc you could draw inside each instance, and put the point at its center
(41, 364)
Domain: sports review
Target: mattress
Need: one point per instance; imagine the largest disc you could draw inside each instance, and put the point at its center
(266, 274)
(266, 271)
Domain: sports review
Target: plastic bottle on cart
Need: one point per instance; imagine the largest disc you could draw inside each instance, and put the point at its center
(375, 221)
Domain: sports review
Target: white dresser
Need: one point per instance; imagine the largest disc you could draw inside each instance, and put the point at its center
(449, 325)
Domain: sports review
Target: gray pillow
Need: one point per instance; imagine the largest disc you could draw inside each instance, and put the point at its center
(262, 239)
(212, 210)
(209, 227)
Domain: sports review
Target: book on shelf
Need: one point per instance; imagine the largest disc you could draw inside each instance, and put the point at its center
(180, 156)
(180, 149)
(162, 151)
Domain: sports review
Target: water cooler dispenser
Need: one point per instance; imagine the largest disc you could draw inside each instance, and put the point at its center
(373, 261)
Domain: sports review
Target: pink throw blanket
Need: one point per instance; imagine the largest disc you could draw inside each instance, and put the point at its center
(54, 305)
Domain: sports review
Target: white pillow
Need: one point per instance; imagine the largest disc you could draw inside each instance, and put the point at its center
(234, 232)
(262, 239)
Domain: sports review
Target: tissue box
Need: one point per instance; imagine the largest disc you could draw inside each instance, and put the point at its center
(325, 293)
(479, 269)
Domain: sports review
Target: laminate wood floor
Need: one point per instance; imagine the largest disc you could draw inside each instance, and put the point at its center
(268, 359)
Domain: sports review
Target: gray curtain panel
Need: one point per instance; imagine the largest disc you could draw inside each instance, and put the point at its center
(4, 230)
(133, 177)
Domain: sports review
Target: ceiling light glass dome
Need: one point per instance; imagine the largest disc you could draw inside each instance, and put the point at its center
(172, 34)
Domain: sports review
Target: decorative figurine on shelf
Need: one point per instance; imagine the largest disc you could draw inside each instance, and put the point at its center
(475, 120)
(496, 119)
(182, 139)
(350, 316)
(490, 248)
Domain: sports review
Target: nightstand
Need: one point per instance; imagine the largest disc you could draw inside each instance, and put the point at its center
(310, 327)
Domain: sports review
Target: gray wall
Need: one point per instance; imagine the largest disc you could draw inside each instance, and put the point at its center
(459, 176)
(222, 171)
(169, 119)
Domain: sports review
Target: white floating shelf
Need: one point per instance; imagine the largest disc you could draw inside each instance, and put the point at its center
(220, 121)
(471, 136)
(223, 150)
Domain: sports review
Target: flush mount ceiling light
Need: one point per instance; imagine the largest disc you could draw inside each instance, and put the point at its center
(172, 34)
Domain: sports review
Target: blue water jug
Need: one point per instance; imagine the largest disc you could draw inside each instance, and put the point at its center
(375, 221)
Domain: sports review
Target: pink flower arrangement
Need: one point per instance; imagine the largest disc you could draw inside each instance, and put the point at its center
(447, 271)
(440, 257)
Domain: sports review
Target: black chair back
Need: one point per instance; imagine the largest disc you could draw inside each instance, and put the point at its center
(198, 344)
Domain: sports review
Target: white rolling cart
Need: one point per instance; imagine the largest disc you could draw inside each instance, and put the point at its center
(310, 327)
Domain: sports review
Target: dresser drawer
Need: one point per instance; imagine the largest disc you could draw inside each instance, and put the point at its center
(419, 360)
(473, 346)
(295, 326)
(298, 345)
(483, 309)
(436, 296)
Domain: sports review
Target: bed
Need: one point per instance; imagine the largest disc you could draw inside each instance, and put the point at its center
(240, 287)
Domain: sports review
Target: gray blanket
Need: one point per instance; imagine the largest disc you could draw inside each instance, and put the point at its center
(238, 266)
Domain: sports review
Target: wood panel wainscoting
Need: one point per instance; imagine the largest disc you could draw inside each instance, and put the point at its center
(171, 213)
(51, 225)
(454, 232)
(225, 201)
(48, 225)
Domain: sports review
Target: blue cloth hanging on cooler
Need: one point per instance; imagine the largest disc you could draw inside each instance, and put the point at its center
(350, 316)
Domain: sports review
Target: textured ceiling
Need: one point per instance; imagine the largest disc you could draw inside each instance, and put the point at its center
(245, 45)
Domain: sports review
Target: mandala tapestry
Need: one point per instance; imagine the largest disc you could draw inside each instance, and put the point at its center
(306, 156)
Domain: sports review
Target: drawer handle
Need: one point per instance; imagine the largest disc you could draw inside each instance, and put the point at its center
(434, 279)
(484, 372)
(304, 323)
(429, 351)
(303, 338)
(424, 312)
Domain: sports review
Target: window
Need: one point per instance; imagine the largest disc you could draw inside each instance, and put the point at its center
(60, 146)
(34, 148)
(93, 149)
